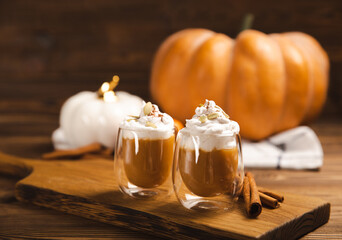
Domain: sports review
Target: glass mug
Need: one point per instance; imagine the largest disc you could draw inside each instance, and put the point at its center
(143, 165)
(207, 170)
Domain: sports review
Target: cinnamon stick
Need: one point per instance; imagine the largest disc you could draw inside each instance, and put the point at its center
(255, 199)
(106, 153)
(73, 153)
(268, 201)
(272, 194)
(251, 196)
(246, 195)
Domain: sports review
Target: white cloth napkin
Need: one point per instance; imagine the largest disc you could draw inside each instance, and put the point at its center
(297, 148)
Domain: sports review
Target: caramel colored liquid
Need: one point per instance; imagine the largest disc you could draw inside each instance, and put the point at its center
(151, 166)
(212, 175)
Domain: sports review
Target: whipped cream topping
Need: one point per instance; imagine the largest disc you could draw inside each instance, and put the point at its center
(211, 119)
(151, 123)
(209, 128)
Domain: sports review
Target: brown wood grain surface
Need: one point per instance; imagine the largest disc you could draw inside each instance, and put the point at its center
(30, 136)
(89, 188)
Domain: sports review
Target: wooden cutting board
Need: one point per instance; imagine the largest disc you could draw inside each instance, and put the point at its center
(87, 188)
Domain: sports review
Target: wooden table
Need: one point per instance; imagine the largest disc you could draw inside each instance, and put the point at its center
(28, 134)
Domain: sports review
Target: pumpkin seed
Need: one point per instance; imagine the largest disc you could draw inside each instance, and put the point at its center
(201, 105)
(226, 115)
(132, 116)
(132, 119)
(212, 116)
(150, 124)
(148, 108)
(203, 118)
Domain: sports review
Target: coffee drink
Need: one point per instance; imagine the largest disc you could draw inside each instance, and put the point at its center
(151, 165)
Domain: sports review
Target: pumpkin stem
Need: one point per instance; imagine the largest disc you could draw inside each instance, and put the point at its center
(247, 21)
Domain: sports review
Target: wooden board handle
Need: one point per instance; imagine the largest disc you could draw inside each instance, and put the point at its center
(14, 166)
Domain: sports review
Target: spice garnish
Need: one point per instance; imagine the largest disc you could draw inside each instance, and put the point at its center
(148, 108)
(212, 116)
(255, 196)
(225, 114)
(203, 118)
(132, 119)
(150, 124)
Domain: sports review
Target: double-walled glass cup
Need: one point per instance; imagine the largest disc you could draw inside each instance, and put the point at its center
(143, 162)
(207, 170)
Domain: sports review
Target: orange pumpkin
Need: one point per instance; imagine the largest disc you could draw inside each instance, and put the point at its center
(178, 124)
(267, 83)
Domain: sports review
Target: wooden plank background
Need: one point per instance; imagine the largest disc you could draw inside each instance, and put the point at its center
(50, 50)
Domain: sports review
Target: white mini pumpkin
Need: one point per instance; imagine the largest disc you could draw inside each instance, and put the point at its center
(85, 118)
